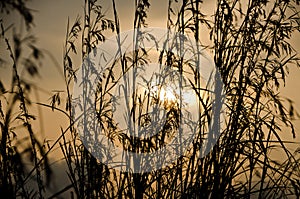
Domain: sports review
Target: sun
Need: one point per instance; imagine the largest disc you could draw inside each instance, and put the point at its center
(167, 95)
(164, 94)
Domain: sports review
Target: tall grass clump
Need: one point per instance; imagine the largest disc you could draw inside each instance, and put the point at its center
(250, 42)
(20, 144)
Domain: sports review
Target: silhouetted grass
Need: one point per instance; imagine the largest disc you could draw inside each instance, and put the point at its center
(19, 143)
(251, 49)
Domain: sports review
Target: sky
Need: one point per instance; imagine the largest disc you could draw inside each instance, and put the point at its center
(50, 20)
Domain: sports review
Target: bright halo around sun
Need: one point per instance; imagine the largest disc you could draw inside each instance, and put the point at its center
(165, 95)
(142, 103)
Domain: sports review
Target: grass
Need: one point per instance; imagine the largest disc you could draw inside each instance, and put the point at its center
(252, 50)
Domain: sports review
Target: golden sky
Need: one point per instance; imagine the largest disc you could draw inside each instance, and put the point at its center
(50, 19)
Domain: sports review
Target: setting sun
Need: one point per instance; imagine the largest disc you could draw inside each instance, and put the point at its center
(149, 99)
(166, 95)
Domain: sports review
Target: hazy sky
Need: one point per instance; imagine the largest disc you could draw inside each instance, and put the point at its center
(50, 19)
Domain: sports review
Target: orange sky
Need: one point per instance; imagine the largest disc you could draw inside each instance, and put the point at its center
(50, 19)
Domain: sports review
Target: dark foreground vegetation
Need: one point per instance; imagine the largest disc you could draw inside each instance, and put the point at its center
(251, 49)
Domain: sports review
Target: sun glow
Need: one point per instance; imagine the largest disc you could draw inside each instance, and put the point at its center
(166, 95)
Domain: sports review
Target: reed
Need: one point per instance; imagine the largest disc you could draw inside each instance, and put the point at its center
(251, 48)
